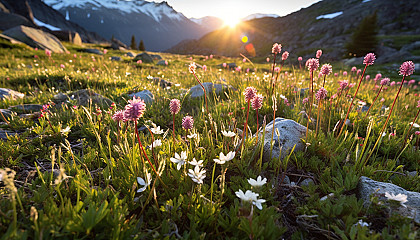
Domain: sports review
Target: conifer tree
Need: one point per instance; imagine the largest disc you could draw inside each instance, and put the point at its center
(133, 45)
(363, 40)
(141, 46)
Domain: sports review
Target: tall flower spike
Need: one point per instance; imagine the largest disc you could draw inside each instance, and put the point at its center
(256, 102)
(326, 69)
(250, 93)
(407, 68)
(187, 122)
(318, 53)
(118, 116)
(312, 64)
(276, 48)
(321, 94)
(385, 81)
(285, 55)
(369, 59)
(135, 109)
(174, 106)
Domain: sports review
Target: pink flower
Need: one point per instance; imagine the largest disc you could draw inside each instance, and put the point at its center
(345, 73)
(335, 74)
(367, 77)
(300, 59)
(207, 57)
(118, 116)
(358, 72)
(312, 64)
(174, 106)
(285, 55)
(187, 122)
(211, 56)
(343, 84)
(256, 102)
(417, 133)
(62, 66)
(378, 76)
(352, 85)
(320, 74)
(224, 65)
(392, 83)
(166, 63)
(48, 52)
(238, 69)
(326, 69)
(382, 99)
(369, 59)
(36, 56)
(305, 100)
(321, 94)
(105, 51)
(267, 59)
(250, 93)
(135, 109)
(318, 53)
(36, 49)
(418, 103)
(412, 81)
(139, 61)
(385, 81)
(353, 69)
(244, 60)
(276, 48)
(407, 68)
(204, 67)
(277, 69)
(74, 55)
(247, 70)
(192, 67)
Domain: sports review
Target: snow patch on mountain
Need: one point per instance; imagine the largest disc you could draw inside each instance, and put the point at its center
(259, 15)
(329, 16)
(42, 24)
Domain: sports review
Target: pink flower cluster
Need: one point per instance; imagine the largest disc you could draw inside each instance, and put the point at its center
(321, 94)
(250, 93)
(326, 69)
(174, 106)
(407, 68)
(256, 102)
(187, 122)
(134, 109)
(276, 48)
(369, 59)
(312, 64)
(285, 55)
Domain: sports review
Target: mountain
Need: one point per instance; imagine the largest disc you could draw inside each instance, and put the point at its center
(259, 15)
(157, 24)
(326, 25)
(209, 23)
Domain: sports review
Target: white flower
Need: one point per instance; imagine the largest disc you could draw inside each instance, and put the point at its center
(193, 135)
(402, 198)
(179, 160)
(415, 125)
(197, 175)
(257, 183)
(258, 202)
(143, 183)
(65, 130)
(361, 223)
(156, 130)
(247, 196)
(222, 158)
(195, 163)
(228, 134)
(156, 143)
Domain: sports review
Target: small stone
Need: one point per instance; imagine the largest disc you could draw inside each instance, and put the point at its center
(26, 108)
(197, 90)
(94, 51)
(162, 63)
(61, 97)
(146, 95)
(130, 54)
(10, 94)
(115, 58)
(306, 182)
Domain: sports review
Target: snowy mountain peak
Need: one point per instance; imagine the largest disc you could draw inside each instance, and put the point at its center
(259, 15)
(152, 9)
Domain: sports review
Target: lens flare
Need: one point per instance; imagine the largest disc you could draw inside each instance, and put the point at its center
(244, 39)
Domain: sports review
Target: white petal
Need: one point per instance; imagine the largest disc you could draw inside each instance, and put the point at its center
(141, 181)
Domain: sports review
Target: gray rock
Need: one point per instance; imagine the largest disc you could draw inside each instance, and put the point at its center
(115, 58)
(367, 187)
(9, 93)
(197, 90)
(6, 113)
(146, 95)
(144, 57)
(286, 180)
(290, 133)
(5, 133)
(117, 44)
(306, 182)
(353, 61)
(365, 108)
(88, 97)
(36, 38)
(130, 54)
(229, 65)
(156, 57)
(162, 63)
(68, 36)
(94, 51)
(61, 97)
(11, 20)
(26, 108)
(162, 82)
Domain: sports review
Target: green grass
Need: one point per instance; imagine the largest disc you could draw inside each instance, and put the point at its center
(76, 178)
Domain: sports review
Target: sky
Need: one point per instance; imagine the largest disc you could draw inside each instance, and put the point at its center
(236, 9)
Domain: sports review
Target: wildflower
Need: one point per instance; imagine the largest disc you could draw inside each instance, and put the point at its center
(144, 183)
(244, 60)
(48, 52)
(195, 163)
(256, 102)
(223, 159)
(224, 65)
(193, 135)
(285, 55)
(179, 160)
(343, 84)
(369, 59)
(345, 73)
(250, 93)
(353, 69)
(192, 67)
(174, 106)
(135, 109)
(321, 94)
(378, 76)
(358, 71)
(257, 183)
(204, 68)
(392, 83)
(62, 66)
(228, 134)
(139, 61)
(276, 49)
(318, 53)
(326, 69)
(156, 143)
(247, 196)
(402, 198)
(197, 175)
(156, 130)
(258, 203)
(367, 77)
(187, 122)
(277, 69)
(312, 64)
(418, 103)
(305, 100)
(385, 81)
(105, 51)
(300, 59)
(414, 124)
(335, 74)
(407, 68)
(417, 133)
(267, 59)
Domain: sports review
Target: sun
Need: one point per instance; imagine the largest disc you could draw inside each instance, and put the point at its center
(231, 21)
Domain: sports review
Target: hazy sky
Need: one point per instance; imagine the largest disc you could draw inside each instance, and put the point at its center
(236, 8)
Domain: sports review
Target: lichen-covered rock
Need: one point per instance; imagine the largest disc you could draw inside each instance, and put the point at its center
(146, 95)
(84, 97)
(197, 90)
(10, 94)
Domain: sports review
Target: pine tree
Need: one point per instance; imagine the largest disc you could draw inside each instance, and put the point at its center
(133, 45)
(141, 46)
(363, 40)
(112, 38)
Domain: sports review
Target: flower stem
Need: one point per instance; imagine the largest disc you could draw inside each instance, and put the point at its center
(256, 141)
(408, 133)
(377, 95)
(310, 105)
(204, 90)
(212, 183)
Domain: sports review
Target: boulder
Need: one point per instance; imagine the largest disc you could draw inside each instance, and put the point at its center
(9, 93)
(36, 38)
(144, 57)
(130, 54)
(12, 40)
(83, 97)
(5, 115)
(162, 82)
(94, 51)
(117, 44)
(156, 57)
(367, 187)
(11, 20)
(26, 108)
(115, 58)
(68, 36)
(197, 90)
(146, 95)
(162, 63)
(290, 134)
(230, 65)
